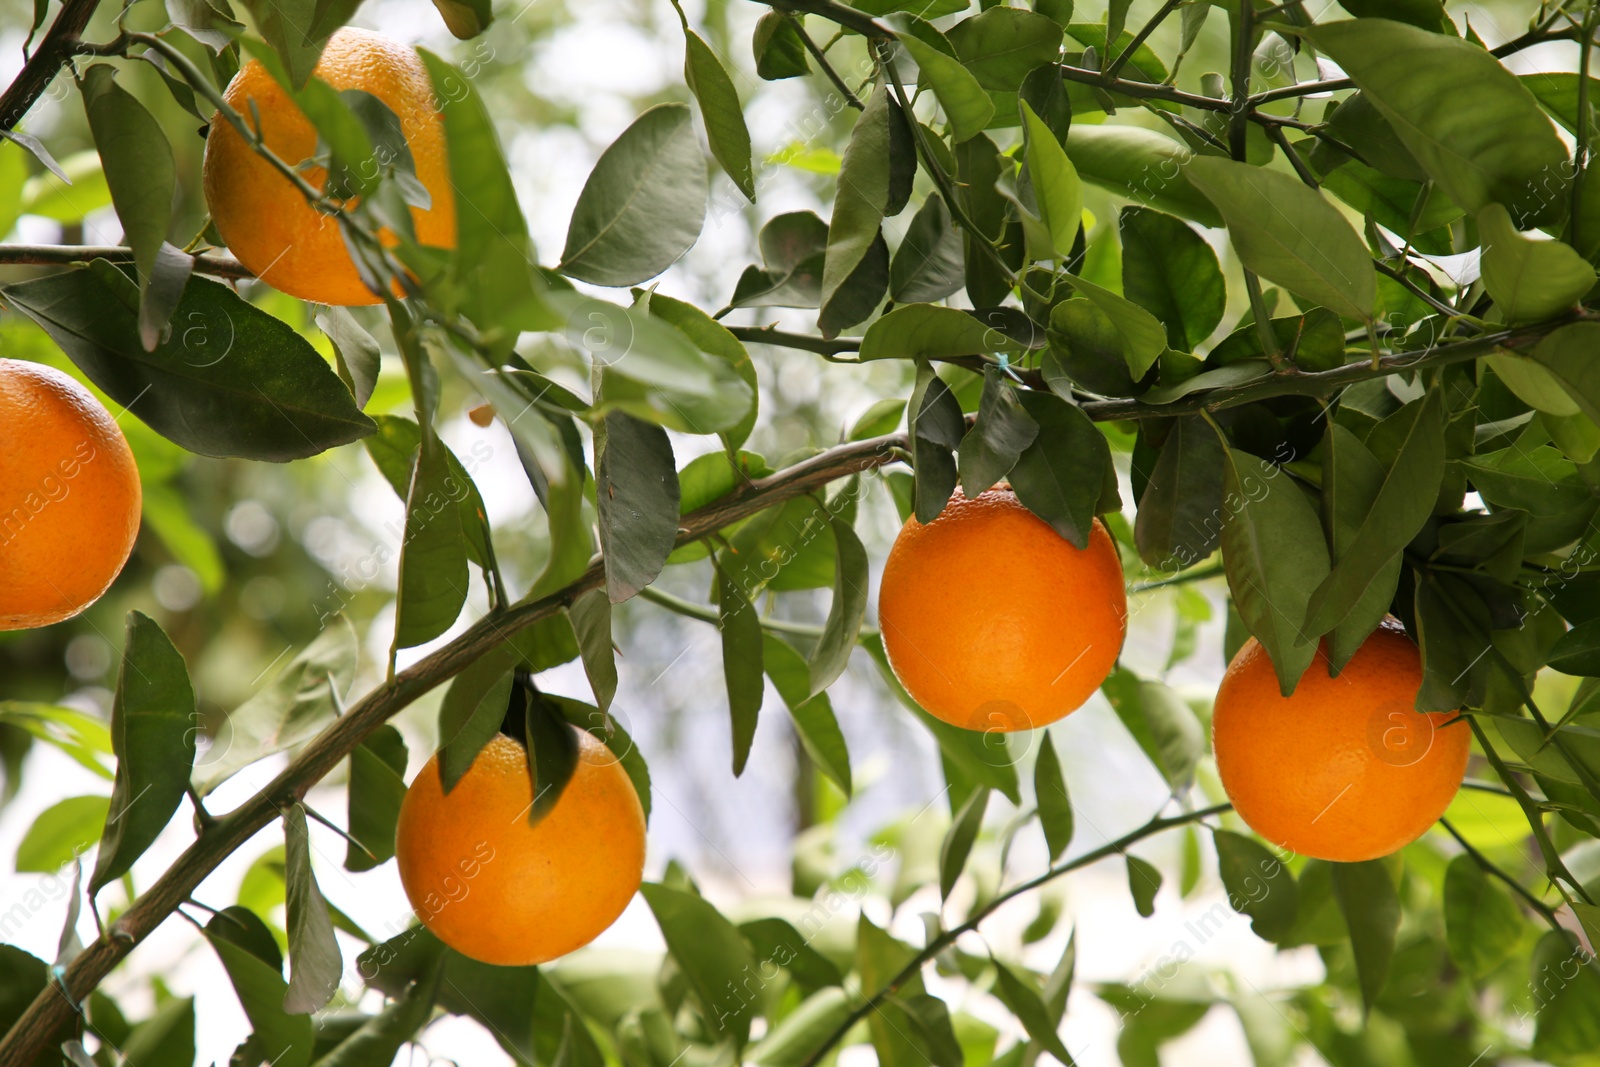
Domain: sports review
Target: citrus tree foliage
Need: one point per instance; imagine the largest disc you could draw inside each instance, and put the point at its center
(1327, 308)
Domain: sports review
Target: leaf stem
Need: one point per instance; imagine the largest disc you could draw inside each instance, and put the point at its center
(1139, 38)
(822, 61)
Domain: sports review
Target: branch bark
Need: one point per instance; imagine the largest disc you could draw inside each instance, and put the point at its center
(51, 1008)
(39, 71)
(70, 255)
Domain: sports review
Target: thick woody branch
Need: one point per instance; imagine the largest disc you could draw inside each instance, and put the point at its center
(59, 43)
(71, 255)
(51, 1008)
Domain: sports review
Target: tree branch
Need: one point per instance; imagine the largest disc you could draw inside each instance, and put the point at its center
(59, 42)
(72, 255)
(51, 1008)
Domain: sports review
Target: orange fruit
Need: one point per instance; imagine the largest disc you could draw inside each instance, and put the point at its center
(69, 496)
(265, 220)
(501, 891)
(1345, 769)
(993, 621)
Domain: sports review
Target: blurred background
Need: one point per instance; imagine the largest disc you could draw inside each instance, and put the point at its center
(243, 563)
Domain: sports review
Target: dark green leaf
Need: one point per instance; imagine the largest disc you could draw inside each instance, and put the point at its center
(314, 961)
(1050, 794)
(377, 786)
(153, 729)
(1371, 909)
(242, 942)
(1257, 883)
(958, 840)
(287, 26)
(433, 561)
(1062, 475)
(1568, 355)
(1002, 431)
(234, 381)
(1001, 45)
(552, 747)
(1144, 881)
(849, 607)
(465, 19)
(1180, 514)
(741, 663)
(813, 716)
(1352, 480)
(936, 430)
(719, 106)
(636, 493)
(1569, 1012)
(1482, 925)
(867, 190)
(931, 1029)
(1474, 128)
(1018, 994)
(472, 710)
(1578, 651)
(1427, 14)
(779, 52)
(1171, 272)
(929, 331)
(1057, 192)
(778, 941)
(62, 832)
(1143, 336)
(1290, 234)
(712, 955)
(1165, 727)
(591, 620)
(1392, 517)
(379, 1039)
(604, 728)
(929, 264)
(142, 177)
(643, 205)
(294, 708)
(1140, 164)
(1275, 556)
(166, 1039)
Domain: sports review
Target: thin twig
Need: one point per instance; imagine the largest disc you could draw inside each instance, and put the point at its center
(822, 61)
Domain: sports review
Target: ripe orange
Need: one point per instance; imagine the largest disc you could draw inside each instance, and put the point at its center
(993, 621)
(1345, 769)
(69, 497)
(494, 888)
(264, 219)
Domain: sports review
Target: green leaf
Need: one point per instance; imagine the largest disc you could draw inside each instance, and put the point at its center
(879, 419)
(1062, 475)
(166, 1039)
(849, 607)
(433, 560)
(1171, 272)
(936, 430)
(1476, 130)
(1143, 336)
(778, 941)
(1371, 909)
(741, 663)
(142, 178)
(1050, 794)
(490, 268)
(813, 716)
(472, 710)
(294, 708)
(1144, 881)
(358, 357)
(1056, 188)
(1001, 45)
(930, 263)
(966, 106)
(314, 961)
(1569, 1016)
(779, 52)
(1275, 557)
(797, 1036)
(234, 381)
(719, 106)
(153, 728)
(1482, 925)
(716, 341)
(1352, 480)
(643, 205)
(1164, 726)
(1179, 522)
(1258, 884)
(394, 451)
(377, 786)
(1577, 651)
(1142, 165)
(287, 26)
(1018, 994)
(1424, 13)
(78, 189)
(604, 728)
(378, 1040)
(250, 956)
(1532, 384)
(636, 493)
(1290, 234)
(465, 19)
(711, 954)
(958, 840)
(930, 331)
(551, 745)
(867, 189)
(1392, 517)
(1530, 276)
(591, 620)
(62, 832)
(1002, 431)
